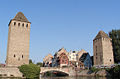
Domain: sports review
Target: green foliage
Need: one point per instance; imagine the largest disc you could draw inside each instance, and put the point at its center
(93, 69)
(40, 64)
(115, 36)
(30, 71)
(30, 61)
(115, 72)
(48, 74)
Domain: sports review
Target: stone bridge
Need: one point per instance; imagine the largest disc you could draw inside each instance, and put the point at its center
(68, 70)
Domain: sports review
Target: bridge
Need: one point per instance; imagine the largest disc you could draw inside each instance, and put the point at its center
(67, 70)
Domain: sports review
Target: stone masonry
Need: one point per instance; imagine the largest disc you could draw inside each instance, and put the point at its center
(102, 48)
(10, 72)
(18, 41)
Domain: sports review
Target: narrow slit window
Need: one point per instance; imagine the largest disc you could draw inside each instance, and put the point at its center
(27, 25)
(22, 56)
(14, 56)
(23, 24)
(18, 24)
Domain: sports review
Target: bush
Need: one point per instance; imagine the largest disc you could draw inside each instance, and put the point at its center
(115, 72)
(93, 69)
(30, 71)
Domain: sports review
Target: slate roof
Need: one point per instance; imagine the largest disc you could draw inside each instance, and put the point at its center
(20, 17)
(101, 34)
(83, 57)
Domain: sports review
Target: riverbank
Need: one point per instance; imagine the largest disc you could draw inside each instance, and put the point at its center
(105, 72)
(101, 73)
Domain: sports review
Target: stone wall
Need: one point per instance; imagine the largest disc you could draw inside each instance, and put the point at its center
(10, 72)
(103, 51)
(18, 43)
(98, 52)
(108, 58)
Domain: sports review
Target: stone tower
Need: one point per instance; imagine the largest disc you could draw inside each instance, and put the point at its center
(102, 48)
(18, 41)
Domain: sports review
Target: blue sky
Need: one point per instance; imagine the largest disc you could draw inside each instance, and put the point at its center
(71, 24)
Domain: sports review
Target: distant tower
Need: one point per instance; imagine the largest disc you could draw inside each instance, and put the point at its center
(102, 48)
(18, 41)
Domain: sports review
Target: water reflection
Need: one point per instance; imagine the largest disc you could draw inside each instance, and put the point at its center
(76, 78)
(10, 78)
(69, 78)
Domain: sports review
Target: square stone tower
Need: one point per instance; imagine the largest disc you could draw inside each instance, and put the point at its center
(18, 41)
(102, 48)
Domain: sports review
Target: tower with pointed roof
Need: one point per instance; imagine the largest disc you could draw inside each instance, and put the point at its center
(18, 41)
(102, 48)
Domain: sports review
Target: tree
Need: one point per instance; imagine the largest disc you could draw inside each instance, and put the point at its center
(115, 71)
(30, 61)
(115, 36)
(30, 71)
(39, 64)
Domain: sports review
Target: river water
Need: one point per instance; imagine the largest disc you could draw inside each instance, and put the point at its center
(69, 78)
(77, 78)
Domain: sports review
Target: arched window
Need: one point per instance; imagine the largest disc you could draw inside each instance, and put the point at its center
(14, 23)
(18, 24)
(27, 25)
(23, 24)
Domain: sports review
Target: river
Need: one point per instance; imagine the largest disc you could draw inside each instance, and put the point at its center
(69, 78)
(77, 78)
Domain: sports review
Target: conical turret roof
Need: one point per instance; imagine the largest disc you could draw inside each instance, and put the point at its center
(20, 17)
(101, 34)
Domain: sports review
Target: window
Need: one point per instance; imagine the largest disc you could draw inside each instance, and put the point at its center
(22, 56)
(65, 62)
(23, 24)
(110, 60)
(14, 23)
(63, 57)
(18, 24)
(14, 55)
(96, 48)
(27, 25)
